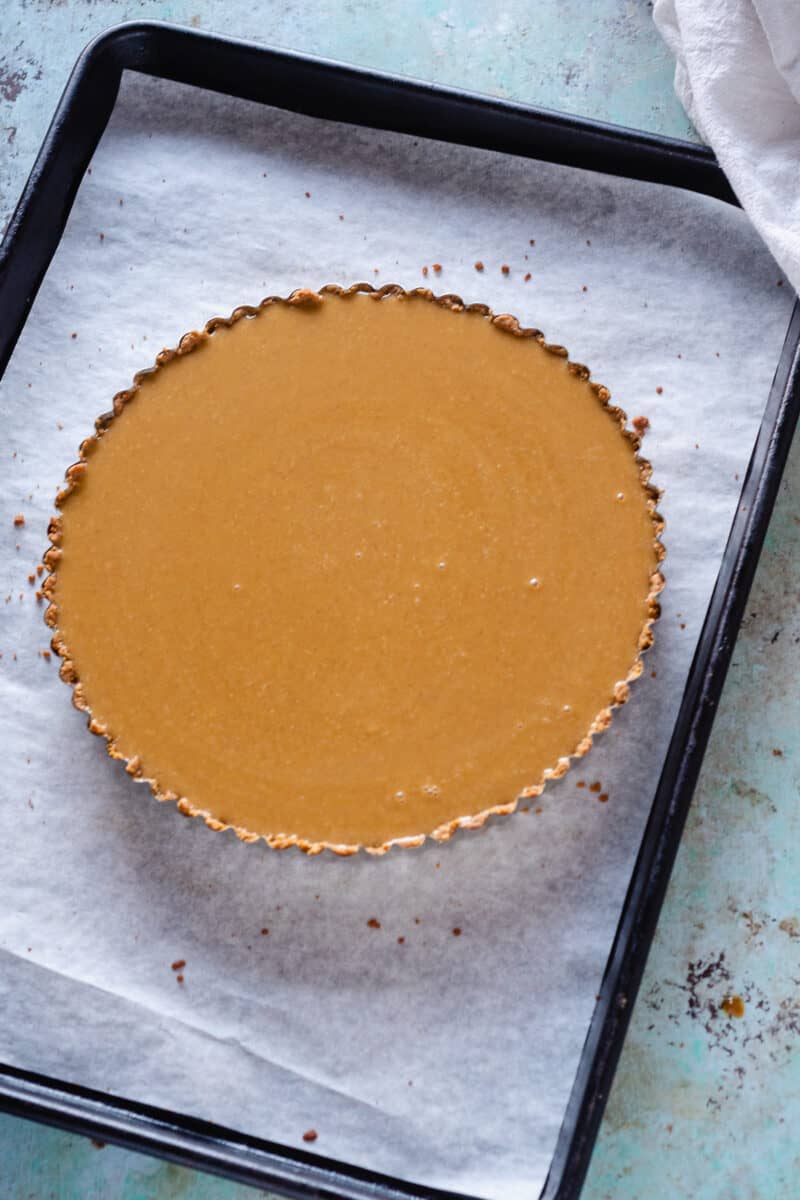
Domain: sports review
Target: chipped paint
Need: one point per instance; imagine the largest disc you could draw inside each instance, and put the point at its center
(11, 83)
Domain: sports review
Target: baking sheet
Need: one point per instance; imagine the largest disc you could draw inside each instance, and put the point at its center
(444, 1059)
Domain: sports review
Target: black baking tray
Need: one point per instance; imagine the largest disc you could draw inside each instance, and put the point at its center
(332, 90)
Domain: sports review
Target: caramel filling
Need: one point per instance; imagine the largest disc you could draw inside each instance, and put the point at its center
(353, 570)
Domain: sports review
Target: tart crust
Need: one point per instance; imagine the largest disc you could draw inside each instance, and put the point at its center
(304, 296)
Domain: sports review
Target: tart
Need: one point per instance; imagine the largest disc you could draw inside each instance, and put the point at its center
(354, 567)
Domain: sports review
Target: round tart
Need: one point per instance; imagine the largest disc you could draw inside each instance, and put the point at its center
(354, 567)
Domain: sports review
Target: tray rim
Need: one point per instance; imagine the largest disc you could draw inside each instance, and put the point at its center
(324, 88)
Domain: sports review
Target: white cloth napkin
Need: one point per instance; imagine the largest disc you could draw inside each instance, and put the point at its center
(738, 77)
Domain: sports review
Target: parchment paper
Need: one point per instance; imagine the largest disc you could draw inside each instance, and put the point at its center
(445, 1059)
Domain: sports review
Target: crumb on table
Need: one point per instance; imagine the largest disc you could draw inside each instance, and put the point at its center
(733, 1006)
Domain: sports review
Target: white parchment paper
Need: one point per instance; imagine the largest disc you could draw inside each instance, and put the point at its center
(445, 1060)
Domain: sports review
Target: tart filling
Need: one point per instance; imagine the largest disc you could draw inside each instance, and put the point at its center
(355, 567)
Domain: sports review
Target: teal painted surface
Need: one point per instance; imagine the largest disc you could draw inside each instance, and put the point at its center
(45, 1164)
(704, 1105)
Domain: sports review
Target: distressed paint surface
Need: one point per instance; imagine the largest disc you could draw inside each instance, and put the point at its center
(705, 1103)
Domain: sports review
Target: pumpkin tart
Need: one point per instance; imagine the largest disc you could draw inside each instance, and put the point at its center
(354, 567)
